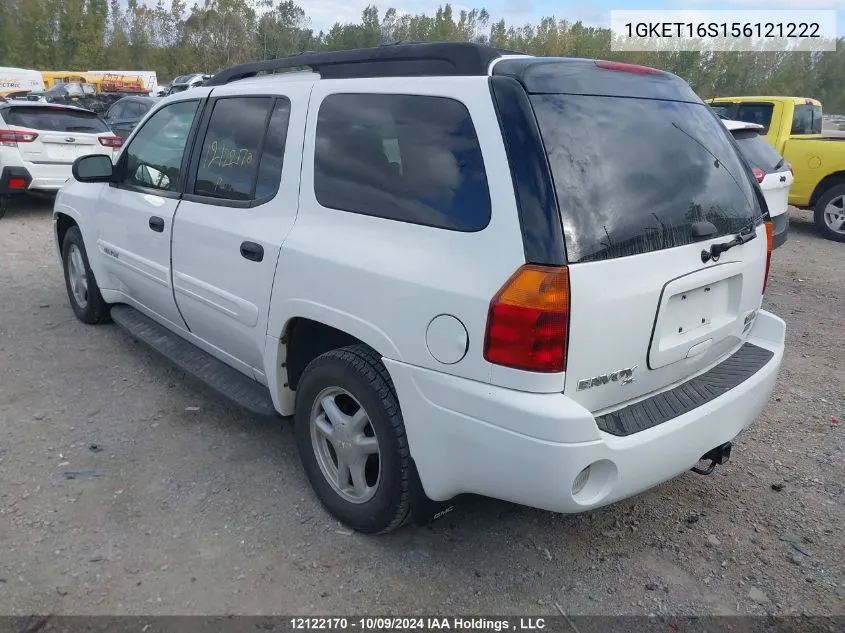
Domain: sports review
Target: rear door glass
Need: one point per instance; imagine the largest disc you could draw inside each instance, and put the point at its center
(232, 147)
(759, 113)
(758, 152)
(632, 175)
(56, 120)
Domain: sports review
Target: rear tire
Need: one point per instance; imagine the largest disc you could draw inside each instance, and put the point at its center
(351, 440)
(4, 203)
(82, 290)
(830, 214)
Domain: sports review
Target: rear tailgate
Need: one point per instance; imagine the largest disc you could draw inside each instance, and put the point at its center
(640, 165)
(64, 134)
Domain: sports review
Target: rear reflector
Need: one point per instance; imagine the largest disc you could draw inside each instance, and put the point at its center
(111, 141)
(627, 68)
(770, 244)
(16, 182)
(759, 174)
(13, 137)
(528, 322)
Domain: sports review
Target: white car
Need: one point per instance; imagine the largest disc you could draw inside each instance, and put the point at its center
(770, 169)
(39, 142)
(535, 279)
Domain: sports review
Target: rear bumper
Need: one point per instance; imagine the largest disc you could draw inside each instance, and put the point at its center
(780, 226)
(10, 179)
(47, 176)
(460, 441)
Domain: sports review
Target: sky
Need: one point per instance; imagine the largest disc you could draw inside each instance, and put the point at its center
(324, 13)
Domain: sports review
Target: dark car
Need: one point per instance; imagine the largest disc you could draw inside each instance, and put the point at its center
(126, 113)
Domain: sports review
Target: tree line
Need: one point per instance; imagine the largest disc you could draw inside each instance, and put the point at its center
(173, 39)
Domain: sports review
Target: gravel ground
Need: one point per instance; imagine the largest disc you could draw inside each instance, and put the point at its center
(127, 489)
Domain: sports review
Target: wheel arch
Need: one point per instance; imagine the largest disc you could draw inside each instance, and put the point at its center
(827, 183)
(307, 334)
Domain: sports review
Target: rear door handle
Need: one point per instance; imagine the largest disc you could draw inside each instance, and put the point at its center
(252, 251)
(157, 224)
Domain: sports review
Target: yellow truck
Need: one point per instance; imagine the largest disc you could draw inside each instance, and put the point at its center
(793, 126)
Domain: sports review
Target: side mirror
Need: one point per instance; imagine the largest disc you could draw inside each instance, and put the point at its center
(93, 168)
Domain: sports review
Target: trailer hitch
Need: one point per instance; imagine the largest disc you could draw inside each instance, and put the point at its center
(719, 455)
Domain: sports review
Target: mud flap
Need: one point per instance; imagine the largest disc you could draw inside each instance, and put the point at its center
(424, 510)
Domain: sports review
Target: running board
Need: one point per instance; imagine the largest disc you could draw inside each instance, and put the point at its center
(217, 375)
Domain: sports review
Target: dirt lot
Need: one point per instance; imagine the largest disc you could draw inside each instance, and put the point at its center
(207, 511)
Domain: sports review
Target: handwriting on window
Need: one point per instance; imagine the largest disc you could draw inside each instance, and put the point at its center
(223, 156)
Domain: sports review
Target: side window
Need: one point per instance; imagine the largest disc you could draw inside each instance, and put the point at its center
(134, 110)
(116, 111)
(759, 113)
(401, 157)
(270, 167)
(236, 162)
(154, 157)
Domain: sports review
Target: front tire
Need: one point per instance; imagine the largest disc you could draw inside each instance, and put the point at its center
(82, 290)
(351, 440)
(830, 214)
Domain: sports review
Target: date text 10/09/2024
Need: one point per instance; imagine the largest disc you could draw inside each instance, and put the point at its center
(429, 623)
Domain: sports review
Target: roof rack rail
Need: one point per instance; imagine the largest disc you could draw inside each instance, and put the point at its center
(396, 59)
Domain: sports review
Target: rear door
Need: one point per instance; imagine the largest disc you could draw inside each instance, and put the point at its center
(64, 134)
(239, 205)
(639, 167)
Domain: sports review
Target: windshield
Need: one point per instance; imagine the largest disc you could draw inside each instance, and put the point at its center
(758, 152)
(55, 120)
(807, 119)
(633, 175)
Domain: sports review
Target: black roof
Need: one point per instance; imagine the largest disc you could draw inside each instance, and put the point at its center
(400, 59)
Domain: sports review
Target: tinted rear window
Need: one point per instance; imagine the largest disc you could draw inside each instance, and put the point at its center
(55, 120)
(633, 175)
(759, 113)
(807, 119)
(759, 153)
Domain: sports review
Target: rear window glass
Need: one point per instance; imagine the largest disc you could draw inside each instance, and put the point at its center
(807, 119)
(633, 175)
(402, 157)
(55, 120)
(721, 110)
(758, 152)
(759, 113)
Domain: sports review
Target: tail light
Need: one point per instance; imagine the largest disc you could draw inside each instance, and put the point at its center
(111, 141)
(528, 322)
(627, 68)
(791, 171)
(770, 245)
(759, 174)
(16, 182)
(10, 138)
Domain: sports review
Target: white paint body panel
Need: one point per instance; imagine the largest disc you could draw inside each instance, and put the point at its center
(776, 191)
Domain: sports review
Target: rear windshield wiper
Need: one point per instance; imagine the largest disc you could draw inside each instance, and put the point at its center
(745, 235)
(780, 163)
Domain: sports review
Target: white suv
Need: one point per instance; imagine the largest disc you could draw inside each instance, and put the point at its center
(770, 169)
(39, 142)
(460, 270)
